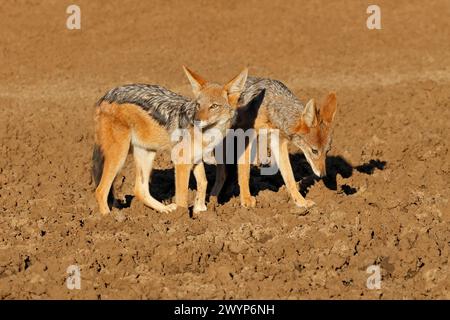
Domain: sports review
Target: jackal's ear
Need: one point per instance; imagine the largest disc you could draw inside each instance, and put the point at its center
(235, 86)
(309, 115)
(328, 108)
(308, 119)
(197, 82)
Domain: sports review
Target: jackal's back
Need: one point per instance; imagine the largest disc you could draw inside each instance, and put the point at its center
(280, 104)
(168, 108)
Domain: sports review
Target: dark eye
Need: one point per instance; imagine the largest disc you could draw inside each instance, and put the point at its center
(214, 106)
(315, 151)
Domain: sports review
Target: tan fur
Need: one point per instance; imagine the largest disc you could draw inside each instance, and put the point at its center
(318, 135)
(114, 124)
(119, 126)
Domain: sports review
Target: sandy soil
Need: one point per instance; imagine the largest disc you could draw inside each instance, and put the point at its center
(385, 201)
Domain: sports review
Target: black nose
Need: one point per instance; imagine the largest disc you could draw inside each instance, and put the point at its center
(323, 174)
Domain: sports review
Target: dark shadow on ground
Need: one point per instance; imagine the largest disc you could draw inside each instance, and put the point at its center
(162, 184)
(336, 165)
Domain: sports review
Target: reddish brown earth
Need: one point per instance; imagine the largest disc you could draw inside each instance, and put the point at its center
(385, 202)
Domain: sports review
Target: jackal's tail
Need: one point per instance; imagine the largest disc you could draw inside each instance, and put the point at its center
(98, 161)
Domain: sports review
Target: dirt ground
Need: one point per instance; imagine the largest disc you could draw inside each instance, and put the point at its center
(385, 201)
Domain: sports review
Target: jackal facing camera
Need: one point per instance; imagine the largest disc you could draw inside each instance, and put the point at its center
(141, 118)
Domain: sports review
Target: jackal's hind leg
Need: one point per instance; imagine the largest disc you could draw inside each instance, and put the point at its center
(144, 161)
(115, 155)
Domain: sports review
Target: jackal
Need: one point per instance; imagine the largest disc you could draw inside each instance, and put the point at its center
(307, 127)
(143, 117)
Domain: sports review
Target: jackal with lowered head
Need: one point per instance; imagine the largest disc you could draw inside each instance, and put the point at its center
(308, 127)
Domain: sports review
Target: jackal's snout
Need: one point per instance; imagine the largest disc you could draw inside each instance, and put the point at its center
(318, 167)
(322, 172)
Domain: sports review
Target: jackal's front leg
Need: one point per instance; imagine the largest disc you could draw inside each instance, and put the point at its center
(182, 173)
(221, 176)
(202, 183)
(282, 158)
(247, 200)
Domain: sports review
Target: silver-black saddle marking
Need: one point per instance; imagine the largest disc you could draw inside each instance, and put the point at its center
(168, 108)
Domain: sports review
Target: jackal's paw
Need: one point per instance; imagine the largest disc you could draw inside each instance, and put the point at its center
(248, 202)
(168, 208)
(104, 211)
(213, 200)
(305, 204)
(199, 207)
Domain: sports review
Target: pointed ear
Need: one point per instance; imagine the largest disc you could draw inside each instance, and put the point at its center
(235, 86)
(197, 82)
(307, 119)
(309, 115)
(328, 109)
